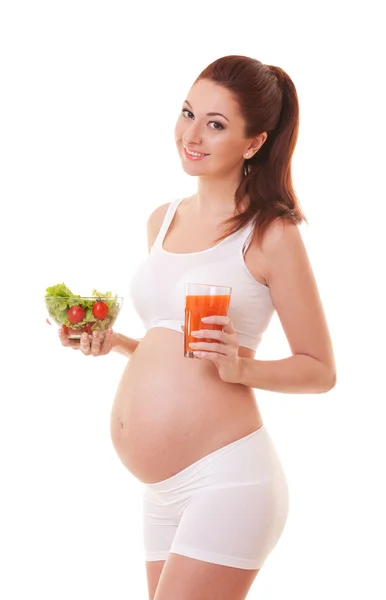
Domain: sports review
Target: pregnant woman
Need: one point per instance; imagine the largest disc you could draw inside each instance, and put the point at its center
(215, 497)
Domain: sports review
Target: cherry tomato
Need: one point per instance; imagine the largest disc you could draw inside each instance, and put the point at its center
(100, 310)
(75, 314)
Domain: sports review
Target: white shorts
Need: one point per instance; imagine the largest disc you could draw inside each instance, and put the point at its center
(229, 508)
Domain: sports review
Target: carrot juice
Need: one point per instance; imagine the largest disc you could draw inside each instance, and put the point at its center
(203, 301)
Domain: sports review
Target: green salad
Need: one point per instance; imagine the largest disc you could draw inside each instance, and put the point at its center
(78, 313)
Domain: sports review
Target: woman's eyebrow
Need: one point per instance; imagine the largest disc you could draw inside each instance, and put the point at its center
(209, 114)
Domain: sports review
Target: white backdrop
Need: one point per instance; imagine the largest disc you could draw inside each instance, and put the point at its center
(89, 95)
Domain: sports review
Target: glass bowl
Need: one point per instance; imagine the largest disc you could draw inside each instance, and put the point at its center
(78, 314)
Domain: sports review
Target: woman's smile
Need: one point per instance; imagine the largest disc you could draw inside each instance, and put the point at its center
(192, 155)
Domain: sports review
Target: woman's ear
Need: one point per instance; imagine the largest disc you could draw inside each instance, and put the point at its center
(260, 140)
(256, 144)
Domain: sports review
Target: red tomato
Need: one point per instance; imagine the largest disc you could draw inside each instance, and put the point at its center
(75, 314)
(100, 310)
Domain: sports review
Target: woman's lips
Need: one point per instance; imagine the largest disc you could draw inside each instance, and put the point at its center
(195, 156)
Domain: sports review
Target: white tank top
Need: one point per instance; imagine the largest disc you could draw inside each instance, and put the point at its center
(157, 288)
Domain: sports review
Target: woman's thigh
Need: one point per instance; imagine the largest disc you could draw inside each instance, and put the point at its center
(153, 574)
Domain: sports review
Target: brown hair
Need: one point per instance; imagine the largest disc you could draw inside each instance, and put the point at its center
(269, 103)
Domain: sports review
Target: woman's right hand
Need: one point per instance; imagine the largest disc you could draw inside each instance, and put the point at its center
(95, 347)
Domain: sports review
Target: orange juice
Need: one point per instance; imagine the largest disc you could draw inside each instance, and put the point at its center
(198, 306)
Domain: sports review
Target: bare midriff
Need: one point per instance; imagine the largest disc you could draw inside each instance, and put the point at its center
(169, 411)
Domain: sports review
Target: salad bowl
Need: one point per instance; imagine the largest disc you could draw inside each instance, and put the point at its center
(79, 314)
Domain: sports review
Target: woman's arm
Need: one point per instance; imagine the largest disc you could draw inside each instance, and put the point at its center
(298, 374)
(289, 275)
(123, 344)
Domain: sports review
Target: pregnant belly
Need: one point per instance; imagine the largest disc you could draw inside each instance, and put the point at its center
(169, 411)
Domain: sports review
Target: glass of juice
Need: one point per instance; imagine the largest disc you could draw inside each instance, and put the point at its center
(203, 301)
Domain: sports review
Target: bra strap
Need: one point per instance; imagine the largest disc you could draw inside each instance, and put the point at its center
(242, 239)
(170, 212)
(247, 238)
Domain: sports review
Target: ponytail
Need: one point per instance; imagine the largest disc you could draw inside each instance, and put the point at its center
(269, 102)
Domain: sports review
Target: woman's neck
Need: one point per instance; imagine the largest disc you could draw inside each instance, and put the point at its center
(215, 198)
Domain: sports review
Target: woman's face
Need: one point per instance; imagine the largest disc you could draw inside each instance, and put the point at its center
(209, 132)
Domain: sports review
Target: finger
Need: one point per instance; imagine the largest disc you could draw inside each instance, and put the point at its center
(220, 320)
(85, 343)
(214, 334)
(64, 338)
(107, 343)
(214, 356)
(95, 343)
(207, 346)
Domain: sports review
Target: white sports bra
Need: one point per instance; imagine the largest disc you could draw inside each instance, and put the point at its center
(157, 288)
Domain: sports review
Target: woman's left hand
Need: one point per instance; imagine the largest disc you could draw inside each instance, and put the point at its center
(224, 352)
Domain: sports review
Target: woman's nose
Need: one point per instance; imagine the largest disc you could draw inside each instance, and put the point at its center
(192, 134)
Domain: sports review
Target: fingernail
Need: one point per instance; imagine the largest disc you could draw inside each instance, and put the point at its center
(94, 333)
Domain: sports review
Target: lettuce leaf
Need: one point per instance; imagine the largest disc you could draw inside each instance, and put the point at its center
(59, 290)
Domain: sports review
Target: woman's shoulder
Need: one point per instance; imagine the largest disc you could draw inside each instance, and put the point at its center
(277, 236)
(279, 240)
(157, 215)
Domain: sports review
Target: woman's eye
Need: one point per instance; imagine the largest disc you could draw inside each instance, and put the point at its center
(213, 124)
(216, 125)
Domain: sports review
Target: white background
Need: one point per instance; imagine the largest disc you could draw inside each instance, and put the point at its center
(90, 92)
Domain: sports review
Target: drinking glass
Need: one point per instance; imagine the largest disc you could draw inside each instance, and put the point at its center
(203, 300)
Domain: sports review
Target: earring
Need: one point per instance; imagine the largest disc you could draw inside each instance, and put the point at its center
(247, 169)
(247, 166)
